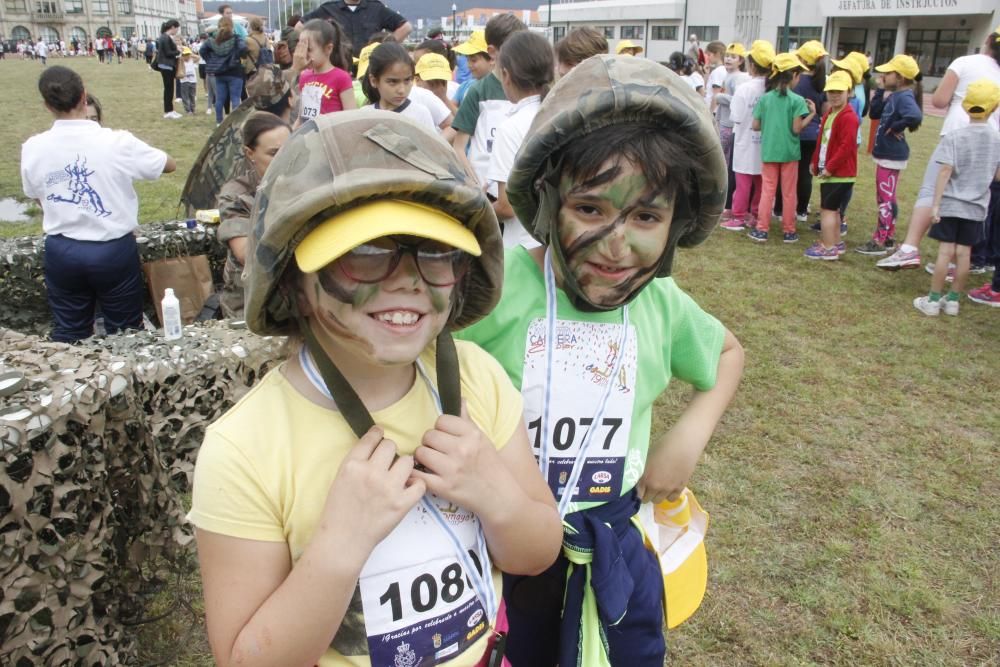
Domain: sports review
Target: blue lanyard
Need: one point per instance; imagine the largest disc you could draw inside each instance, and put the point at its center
(482, 583)
(550, 342)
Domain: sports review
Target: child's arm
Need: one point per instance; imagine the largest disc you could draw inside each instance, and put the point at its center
(908, 114)
(502, 487)
(942, 180)
(347, 99)
(671, 462)
(460, 143)
(800, 122)
(755, 125)
(876, 104)
(260, 610)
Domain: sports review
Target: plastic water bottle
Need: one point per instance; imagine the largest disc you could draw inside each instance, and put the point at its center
(171, 309)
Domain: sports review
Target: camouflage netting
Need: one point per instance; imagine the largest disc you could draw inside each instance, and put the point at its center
(23, 305)
(97, 444)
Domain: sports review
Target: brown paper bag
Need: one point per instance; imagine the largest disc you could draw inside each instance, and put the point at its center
(190, 278)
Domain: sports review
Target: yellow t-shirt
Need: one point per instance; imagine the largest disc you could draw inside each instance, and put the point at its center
(265, 468)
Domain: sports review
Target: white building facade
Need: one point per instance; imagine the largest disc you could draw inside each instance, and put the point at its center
(83, 20)
(935, 32)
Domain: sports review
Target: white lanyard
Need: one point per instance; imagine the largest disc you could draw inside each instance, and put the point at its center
(481, 582)
(546, 432)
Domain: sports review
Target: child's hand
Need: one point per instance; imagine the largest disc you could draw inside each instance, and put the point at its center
(812, 170)
(935, 214)
(371, 493)
(668, 470)
(812, 106)
(824, 174)
(300, 59)
(460, 461)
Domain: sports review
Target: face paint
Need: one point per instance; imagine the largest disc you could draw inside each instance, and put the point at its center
(385, 323)
(612, 231)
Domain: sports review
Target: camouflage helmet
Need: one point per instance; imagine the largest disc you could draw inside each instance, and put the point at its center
(268, 86)
(609, 90)
(340, 161)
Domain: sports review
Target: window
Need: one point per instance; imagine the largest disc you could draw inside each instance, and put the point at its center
(705, 33)
(99, 6)
(935, 49)
(607, 30)
(125, 7)
(852, 39)
(79, 34)
(104, 31)
(632, 31)
(48, 34)
(558, 32)
(15, 6)
(663, 33)
(885, 45)
(73, 6)
(20, 34)
(47, 7)
(128, 32)
(797, 35)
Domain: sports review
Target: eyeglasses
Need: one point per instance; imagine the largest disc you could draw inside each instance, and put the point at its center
(439, 264)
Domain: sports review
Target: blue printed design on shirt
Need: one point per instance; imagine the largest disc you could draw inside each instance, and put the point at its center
(81, 192)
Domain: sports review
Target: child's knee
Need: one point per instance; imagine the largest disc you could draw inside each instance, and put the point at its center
(963, 251)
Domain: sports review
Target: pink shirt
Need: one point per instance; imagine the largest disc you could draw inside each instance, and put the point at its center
(331, 84)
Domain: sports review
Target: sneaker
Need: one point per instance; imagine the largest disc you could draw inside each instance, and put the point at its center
(841, 248)
(816, 227)
(890, 244)
(726, 216)
(949, 307)
(733, 225)
(871, 247)
(843, 228)
(819, 251)
(985, 295)
(978, 269)
(178, 100)
(790, 237)
(926, 306)
(801, 217)
(209, 111)
(929, 268)
(900, 260)
(757, 235)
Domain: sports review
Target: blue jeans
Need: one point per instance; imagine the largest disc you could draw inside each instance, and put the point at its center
(227, 89)
(81, 275)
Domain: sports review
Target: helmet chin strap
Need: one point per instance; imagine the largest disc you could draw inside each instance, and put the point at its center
(350, 404)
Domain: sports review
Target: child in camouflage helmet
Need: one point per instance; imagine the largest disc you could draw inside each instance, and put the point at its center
(621, 165)
(351, 507)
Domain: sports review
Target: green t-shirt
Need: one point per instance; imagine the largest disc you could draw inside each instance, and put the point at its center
(670, 336)
(483, 108)
(776, 112)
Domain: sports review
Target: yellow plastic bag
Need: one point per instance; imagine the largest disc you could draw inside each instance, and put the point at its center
(675, 531)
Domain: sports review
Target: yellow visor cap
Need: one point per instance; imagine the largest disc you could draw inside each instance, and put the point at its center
(736, 49)
(981, 98)
(475, 44)
(903, 65)
(786, 61)
(363, 59)
(762, 51)
(433, 66)
(839, 81)
(388, 217)
(627, 44)
(810, 52)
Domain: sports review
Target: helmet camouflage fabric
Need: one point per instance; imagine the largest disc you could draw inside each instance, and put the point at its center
(339, 161)
(610, 90)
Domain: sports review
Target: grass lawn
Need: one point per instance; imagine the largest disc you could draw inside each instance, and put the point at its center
(853, 485)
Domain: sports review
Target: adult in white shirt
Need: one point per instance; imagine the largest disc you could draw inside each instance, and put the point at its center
(526, 65)
(82, 175)
(42, 51)
(949, 95)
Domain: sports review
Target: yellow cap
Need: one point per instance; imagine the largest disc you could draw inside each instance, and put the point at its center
(475, 44)
(185, 51)
(736, 49)
(839, 81)
(363, 58)
(433, 67)
(855, 64)
(784, 62)
(627, 44)
(810, 52)
(981, 98)
(685, 564)
(387, 217)
(762, 52)
(903, 65)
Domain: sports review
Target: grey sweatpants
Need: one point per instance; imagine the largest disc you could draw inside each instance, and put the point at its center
(189, 93)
